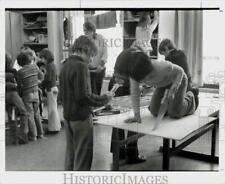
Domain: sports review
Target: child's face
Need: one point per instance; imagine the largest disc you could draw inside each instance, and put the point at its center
(43, 60)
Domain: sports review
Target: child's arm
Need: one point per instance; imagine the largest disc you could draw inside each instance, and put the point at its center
(155, 21)
(135, 99)
(83, 95)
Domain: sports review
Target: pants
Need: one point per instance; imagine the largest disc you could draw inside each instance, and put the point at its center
(130, 150)
(53, 115)
(79, 145)
(96, 81)
(183, 103)
(12, 98)
(31, 101)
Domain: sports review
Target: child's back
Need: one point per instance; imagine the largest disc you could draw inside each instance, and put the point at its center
(29, 76)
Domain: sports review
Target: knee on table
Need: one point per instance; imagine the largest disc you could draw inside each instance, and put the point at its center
(175, 115)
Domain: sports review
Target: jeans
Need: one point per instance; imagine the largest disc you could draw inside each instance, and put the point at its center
(96, 81)
(12, 98)
(31, 101)
(79, 145)
(183, 103)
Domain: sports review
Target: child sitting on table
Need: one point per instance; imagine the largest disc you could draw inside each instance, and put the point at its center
(134, 64)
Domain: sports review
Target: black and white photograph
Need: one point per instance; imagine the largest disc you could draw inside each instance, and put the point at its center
(122, 89)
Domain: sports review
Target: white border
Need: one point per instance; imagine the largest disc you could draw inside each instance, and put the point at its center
(57, 177)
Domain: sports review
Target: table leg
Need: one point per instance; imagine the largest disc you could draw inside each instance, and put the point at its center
(116, 151)
(213, 141)
(166, 154)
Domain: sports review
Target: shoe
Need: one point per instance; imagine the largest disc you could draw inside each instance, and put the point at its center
(195, 91)
(136, 160)
(42, 137)
(33, 138)
(23, 139)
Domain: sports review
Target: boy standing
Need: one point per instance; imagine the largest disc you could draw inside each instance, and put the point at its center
(29, 77)
(77, 99)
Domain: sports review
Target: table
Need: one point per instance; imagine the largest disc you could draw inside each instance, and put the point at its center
(190, 128)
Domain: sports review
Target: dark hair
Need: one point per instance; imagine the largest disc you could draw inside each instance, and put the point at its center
(84, 44)
(89, 26)
(8, 61)
(47, 55)
(23, 59)
(134, 64)
(165, 43)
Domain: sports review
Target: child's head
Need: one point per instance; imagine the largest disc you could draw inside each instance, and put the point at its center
(165, 46)
(89, 29)
(8, 62)
(84, 47)
(46, 56)
(144, 19)
(23, 59)
(30, 53)
(133, 64)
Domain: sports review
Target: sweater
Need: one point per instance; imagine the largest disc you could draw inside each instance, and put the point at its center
(75, 90)
(50, 76)
(28, 78)
(165, 74)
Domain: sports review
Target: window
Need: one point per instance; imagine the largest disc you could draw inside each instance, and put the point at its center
(213, 63)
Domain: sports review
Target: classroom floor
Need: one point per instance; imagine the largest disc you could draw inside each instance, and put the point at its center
(48, 155)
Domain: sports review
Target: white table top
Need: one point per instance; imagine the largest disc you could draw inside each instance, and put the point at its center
(176, 129)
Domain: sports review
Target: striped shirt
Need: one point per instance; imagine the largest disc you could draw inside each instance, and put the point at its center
(29, 77)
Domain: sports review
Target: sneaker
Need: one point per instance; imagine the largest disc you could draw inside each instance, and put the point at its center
(191, 101)
(33, 138)
(195, 91)
(42, 137)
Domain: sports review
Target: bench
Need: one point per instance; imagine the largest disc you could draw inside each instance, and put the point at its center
(185, 130)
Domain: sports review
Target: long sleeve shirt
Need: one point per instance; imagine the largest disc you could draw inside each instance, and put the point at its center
(50, 76)
(163, 74)
(75, 90)
(101, 58)
(28, 78)
(144, 34)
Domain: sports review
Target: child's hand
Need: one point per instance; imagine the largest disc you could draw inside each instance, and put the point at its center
(135, 119)
(109, 95)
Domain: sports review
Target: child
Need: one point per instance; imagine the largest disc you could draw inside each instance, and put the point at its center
(136, 65)
(144, 31)
(12, 98)
(49, 84)
(179, 58)
(28, 77)
(77, 100)
(97, 66)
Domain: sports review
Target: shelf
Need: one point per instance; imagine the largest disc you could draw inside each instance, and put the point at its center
(41, 28)
(36, 44)
(132, 20)
(34, 12)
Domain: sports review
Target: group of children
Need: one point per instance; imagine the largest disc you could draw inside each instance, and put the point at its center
(23, 92)
(133, 64)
